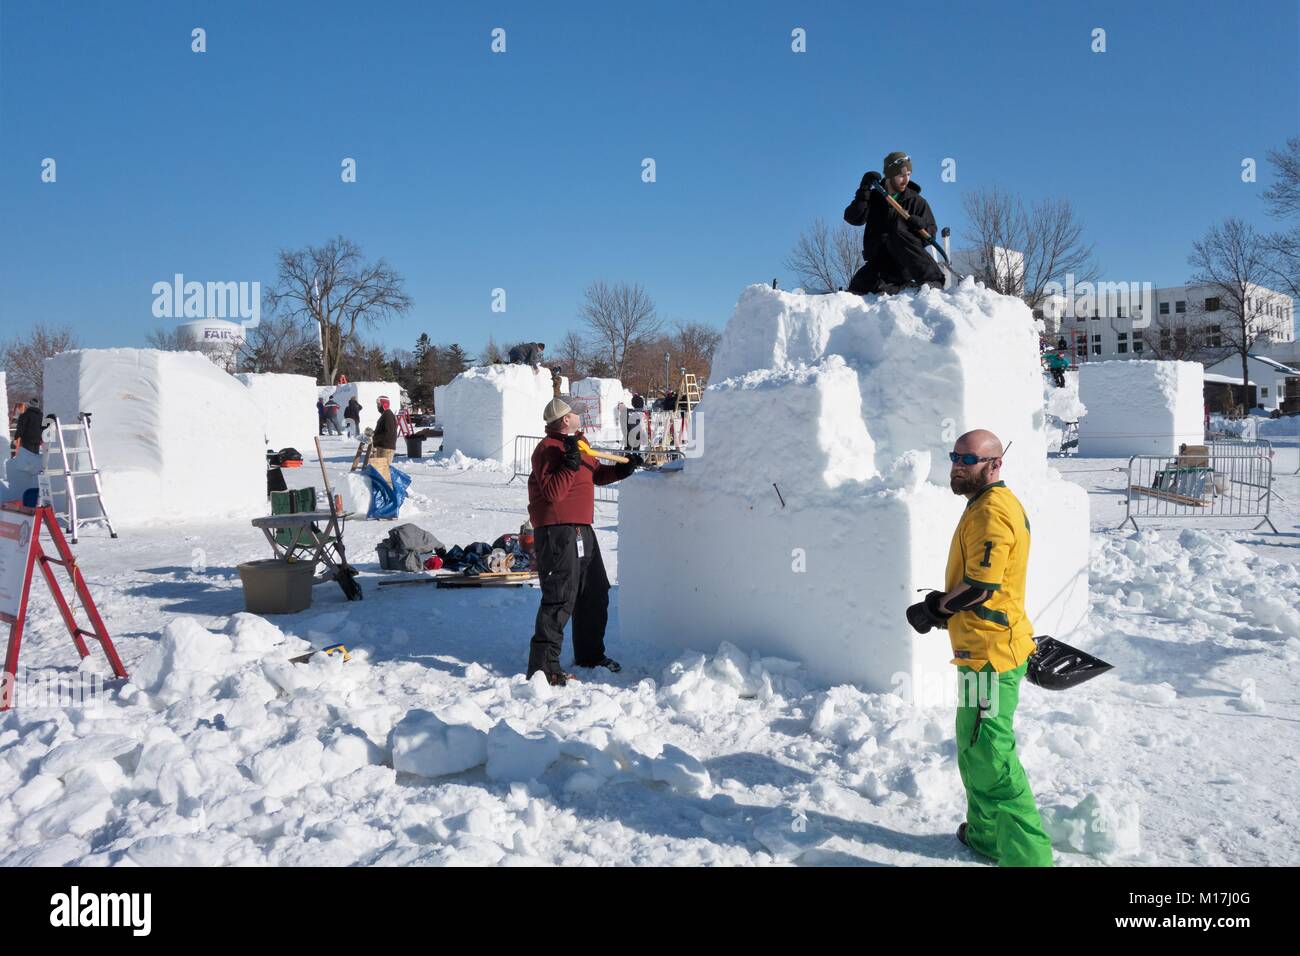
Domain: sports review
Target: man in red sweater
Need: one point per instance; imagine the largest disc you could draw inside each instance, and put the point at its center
(561, 504)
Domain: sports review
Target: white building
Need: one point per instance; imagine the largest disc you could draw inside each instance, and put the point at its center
(1277, 385)
(1119, 320)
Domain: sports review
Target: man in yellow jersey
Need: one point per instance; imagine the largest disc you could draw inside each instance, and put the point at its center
(983, 609)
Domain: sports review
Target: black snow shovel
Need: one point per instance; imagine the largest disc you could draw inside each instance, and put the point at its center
(1056, 665)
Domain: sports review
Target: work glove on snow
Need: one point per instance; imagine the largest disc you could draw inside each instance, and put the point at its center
(572, 453)
(926, 614)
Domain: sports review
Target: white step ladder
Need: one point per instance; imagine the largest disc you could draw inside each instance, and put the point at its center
(70, 475)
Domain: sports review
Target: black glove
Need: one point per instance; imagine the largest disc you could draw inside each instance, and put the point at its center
(572, 453)
(916, 224)
(634, 461)
(870, 179)
(926, 614)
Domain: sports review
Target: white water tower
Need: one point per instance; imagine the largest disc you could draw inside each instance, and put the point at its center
(218, 339)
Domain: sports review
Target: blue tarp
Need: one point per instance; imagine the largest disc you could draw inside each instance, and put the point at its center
(385, 499)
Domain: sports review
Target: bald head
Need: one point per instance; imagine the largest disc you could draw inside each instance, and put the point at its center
(970, 480)
(979, 442)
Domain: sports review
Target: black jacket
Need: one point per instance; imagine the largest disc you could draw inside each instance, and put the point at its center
(888, 237)
(353, 411)
(385, 435)
(526, 353)
(29, 426)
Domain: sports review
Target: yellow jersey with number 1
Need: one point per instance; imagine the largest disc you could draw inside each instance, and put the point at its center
(990, 550)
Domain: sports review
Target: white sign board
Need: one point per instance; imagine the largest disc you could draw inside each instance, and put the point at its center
(15, 545)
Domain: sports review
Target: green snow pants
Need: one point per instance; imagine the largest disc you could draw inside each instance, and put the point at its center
(1002, 820)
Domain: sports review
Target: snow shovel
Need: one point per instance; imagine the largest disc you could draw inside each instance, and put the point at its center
(1056, 665)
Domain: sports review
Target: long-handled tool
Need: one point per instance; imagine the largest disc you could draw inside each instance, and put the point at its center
(602, 455)
(346, 574)
(924, 234)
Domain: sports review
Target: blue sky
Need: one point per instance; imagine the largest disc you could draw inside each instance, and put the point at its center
(523, 170)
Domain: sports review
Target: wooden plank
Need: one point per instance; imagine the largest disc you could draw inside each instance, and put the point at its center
(1169, 496)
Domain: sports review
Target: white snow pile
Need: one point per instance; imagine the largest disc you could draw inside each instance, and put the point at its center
(287, 404)
(1140, 407)
(601, 402)
(1061, 405)
(459, 461)
(367, 393)
(483, 409)
(175, 437)
(820, 501)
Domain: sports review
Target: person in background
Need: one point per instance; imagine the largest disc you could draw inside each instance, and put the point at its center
(24, 465)
(352, 415)
(1057, 363)
(527, 353)
(383, 443)
(320, 416)
(332, 412)
(561, 506)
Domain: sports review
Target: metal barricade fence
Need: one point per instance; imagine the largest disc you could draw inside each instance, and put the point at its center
(1211, 481)
(525, 445)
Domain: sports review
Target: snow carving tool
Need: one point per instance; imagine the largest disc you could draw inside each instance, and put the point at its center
(602, 455)
(1056, 665)
(346, 574)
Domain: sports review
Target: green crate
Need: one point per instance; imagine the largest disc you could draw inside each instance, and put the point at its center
(291, 502)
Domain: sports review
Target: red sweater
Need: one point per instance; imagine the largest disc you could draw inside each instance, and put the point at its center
(557, 495)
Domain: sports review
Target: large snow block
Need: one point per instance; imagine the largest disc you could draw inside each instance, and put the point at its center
(851, 422)
(483, 409)
(600, 402)
(171, 431)
(1141, 408)
(288, 407)
(367, 393)
(930, 364)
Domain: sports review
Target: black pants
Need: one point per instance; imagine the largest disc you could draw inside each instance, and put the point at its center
(572, 587)
(1058, 376)
(896, 267)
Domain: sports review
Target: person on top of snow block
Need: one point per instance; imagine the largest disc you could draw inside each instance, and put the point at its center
(527, 353)
(983, 610)
(561, 505)
(1057, 363)
(383, 443)
(895, 254)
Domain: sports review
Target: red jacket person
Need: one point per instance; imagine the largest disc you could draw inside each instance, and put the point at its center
(561, 504)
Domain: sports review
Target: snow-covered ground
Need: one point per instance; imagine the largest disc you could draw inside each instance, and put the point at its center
(219, 750)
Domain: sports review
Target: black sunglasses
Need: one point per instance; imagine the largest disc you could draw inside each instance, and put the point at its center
(968, 459)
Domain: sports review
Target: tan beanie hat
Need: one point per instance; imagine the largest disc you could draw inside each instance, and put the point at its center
(555, 410)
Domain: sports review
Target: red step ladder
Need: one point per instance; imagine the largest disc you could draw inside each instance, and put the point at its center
(20, 547)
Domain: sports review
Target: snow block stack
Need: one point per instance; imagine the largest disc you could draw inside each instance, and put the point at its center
(1141, 408)
(849, 407)
(598, 400)
(171, 432)
(367, 393)
(483, 409)
(288, 407)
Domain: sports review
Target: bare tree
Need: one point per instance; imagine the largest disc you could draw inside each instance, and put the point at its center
(618, 315)
(170, 339)
(1176, 338)
(1282, 199)
(281, 344)
(23, 360)
(825, 259)
(1018, 251)
(1233, 260)
(572, 355)
(335, 288)
(491, 353)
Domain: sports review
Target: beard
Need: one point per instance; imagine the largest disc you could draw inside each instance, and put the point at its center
(965, 484)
